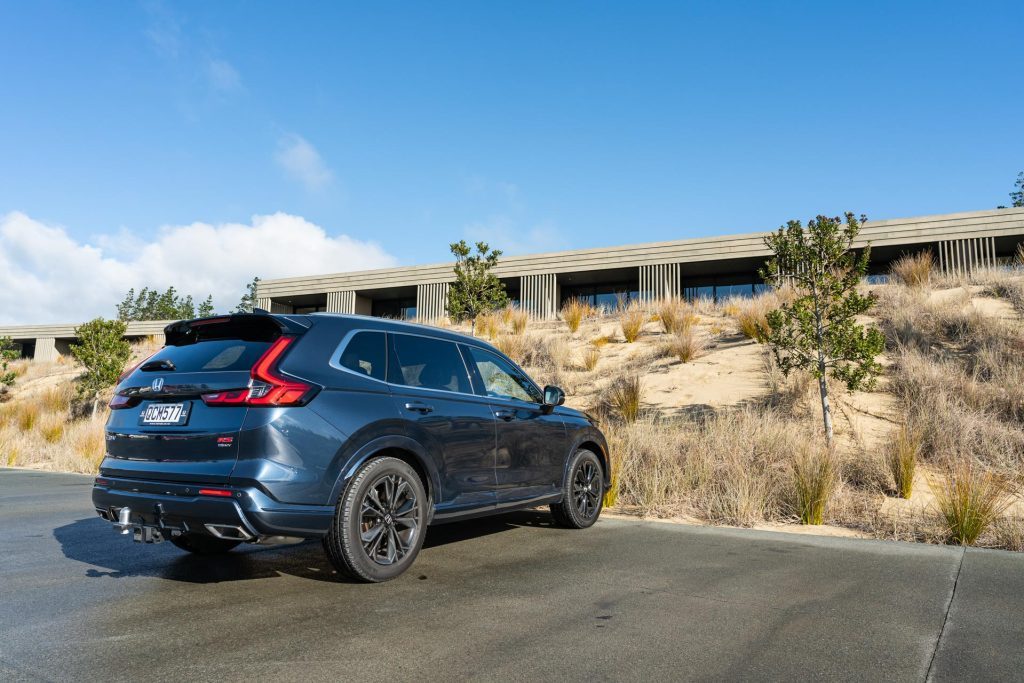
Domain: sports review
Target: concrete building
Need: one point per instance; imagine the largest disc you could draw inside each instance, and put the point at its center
(713, 267)
(47, 342)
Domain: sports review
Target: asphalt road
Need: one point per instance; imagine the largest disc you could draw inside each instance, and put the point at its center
(506, 598)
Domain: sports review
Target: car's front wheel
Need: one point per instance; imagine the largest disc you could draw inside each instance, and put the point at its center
(583, 492)
(379, 523)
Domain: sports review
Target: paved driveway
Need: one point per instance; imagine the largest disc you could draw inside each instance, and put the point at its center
(506, 598)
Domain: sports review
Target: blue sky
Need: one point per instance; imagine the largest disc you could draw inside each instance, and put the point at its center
(534, 125)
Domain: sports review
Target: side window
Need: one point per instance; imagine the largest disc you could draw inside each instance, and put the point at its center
(502, 379)
(429, 363)
(365, 354)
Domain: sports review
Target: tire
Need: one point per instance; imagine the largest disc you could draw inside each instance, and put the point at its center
(201, 544)
(582, 493)
(379, 523)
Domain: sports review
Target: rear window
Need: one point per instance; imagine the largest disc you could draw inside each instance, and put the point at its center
(365, 354)
(216, 355)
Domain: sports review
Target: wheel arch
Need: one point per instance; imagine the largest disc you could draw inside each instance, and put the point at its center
(401, 448)
(593, 441)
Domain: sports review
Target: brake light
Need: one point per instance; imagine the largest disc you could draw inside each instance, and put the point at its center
(223, 493)
(267, 386)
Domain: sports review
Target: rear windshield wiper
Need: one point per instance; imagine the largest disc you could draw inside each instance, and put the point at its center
(154, 365)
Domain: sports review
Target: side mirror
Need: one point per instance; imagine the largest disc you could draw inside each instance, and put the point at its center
(553, 396)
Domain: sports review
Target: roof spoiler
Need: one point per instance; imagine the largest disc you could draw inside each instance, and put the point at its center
(187, 331)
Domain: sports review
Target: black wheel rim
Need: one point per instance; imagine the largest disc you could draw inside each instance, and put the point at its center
(389, 519)
(586, 489)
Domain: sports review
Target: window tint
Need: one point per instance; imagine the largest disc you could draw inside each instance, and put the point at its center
(428, 363)
(502, 379)
(213, 355)
(365, 354)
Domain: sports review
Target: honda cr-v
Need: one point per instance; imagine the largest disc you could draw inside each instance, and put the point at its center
(260, 428)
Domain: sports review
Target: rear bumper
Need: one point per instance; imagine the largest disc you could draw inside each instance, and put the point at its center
(179, 507)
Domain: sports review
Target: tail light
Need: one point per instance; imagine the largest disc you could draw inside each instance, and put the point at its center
(268, 387)
(119, 402)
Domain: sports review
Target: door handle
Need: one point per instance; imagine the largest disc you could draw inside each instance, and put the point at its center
(506, 415)
(419, 407)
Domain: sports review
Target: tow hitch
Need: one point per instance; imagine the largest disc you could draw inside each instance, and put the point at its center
(143, 533)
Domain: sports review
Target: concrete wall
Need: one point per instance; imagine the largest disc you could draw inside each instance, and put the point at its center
(432, 300)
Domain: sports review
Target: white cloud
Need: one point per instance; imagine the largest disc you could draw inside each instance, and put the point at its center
(46, 276)
(223, 76)
(509, 235)
(302, 162)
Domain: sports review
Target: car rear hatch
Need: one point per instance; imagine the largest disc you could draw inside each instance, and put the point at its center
(176, 417)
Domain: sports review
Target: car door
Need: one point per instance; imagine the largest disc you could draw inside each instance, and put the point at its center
(432, 390)
(531, 441)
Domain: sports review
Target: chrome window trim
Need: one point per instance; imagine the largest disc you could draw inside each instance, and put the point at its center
(335, 361)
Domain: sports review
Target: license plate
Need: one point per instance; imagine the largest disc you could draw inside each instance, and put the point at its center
(164, 414)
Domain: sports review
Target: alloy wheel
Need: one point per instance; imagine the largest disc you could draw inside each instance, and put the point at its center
(389, 519)
(586, 489)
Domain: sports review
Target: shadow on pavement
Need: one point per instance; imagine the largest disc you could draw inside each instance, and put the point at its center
(93, 542)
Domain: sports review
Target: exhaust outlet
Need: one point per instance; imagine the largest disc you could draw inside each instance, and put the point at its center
(228, 532)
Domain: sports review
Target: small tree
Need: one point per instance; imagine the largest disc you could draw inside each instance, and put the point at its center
(1017, 196)
(476, 289)
(104, 351)
(248, 301)
(8, 352)
(817, 331)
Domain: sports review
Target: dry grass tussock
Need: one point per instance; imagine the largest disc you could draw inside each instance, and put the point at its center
(631, 321)
(970, 500)
(685, 345)
(913, 270)
(676, 315)
(575, 311)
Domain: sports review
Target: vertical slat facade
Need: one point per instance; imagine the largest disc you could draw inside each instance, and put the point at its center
(46, 350)
(660, 281)
(538, 295)
(341, 302)
(432, 301)
(962, 257)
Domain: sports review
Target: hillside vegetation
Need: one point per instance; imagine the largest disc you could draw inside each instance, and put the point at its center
(704, 428)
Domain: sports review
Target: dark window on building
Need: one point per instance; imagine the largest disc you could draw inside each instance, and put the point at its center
(428, 363)
(366, 354)
(396, 309)
(607, 297)
(302, 310)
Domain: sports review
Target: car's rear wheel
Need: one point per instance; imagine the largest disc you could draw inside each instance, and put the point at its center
(201, 544)
(379, 523)
(583, 492)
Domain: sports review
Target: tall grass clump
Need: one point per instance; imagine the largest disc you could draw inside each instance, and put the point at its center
(518, 319)
(970, 499)
(624, 397)
(685, 345)
(901, 457)
(675, 315)
(631, 321)
(515, 346)
(591, 356)
(751, 316)
(574, 312)
(913, 270)
(488, 325)
(814, 479)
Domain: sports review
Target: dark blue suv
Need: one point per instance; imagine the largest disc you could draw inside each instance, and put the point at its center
(263, 428)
